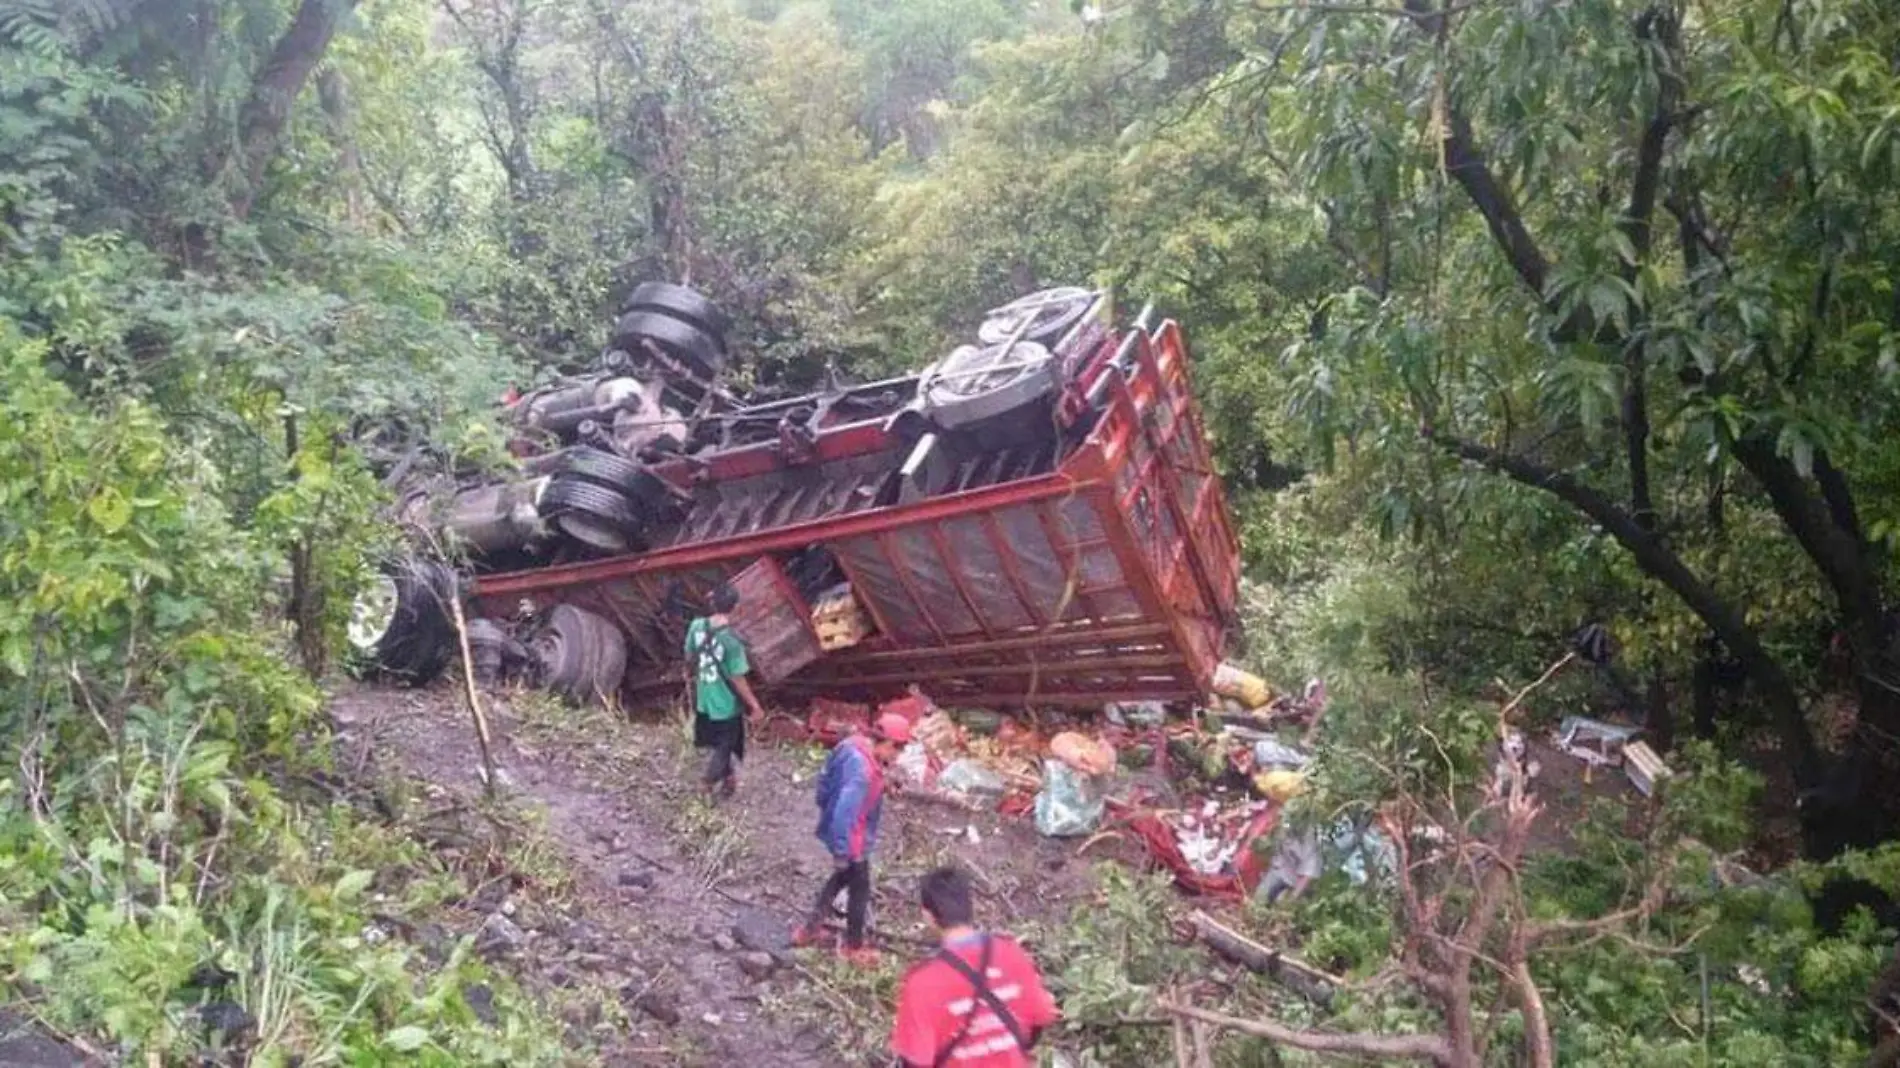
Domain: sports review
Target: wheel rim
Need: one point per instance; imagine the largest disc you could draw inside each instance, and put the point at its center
(1039, 316)
(970, 371)
(373, 613)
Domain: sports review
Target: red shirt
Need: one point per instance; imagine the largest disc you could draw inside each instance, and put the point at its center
(936, 999)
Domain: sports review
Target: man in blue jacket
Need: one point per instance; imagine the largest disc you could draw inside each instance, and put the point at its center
(850, 801)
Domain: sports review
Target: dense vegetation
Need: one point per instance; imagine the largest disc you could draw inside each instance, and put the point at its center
(1511, 316)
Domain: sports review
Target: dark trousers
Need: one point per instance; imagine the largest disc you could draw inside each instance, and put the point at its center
(854, 880)
(726, 740)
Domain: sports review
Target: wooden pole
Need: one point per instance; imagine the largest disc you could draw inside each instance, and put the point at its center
(474, 698)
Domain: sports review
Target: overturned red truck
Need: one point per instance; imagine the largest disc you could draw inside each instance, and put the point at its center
(1032, 520)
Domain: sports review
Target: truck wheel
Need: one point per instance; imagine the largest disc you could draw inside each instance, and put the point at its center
(1049, 313)
(697, 348)
(679, 302)
(400, 627)
(582, 655)
(488, 650)
(973, 384)
(593, 515)
(600, 467)
(649, 495)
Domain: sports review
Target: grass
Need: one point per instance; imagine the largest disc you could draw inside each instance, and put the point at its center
(709, 835)
(849, 1005)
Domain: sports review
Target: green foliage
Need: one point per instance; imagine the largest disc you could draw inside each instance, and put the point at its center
(913, 55)
(1109, 961)
(148, 838)
(200, 386)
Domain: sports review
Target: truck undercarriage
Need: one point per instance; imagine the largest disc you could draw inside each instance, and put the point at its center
(1032, 520)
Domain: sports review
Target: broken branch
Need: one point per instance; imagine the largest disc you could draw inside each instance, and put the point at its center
(1302, 978)
(474, 699)
(1402, 1047)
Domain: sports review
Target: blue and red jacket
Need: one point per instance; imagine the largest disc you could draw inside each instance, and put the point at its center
(850, 799)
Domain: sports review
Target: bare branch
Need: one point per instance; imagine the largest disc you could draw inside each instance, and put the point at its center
(1400, 1047)
(1537, 1044)
(1549, 673)
(1655, 894)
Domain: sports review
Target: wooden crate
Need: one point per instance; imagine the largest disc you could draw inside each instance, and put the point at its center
(1644, 767)
(774, 621)
(839, 621)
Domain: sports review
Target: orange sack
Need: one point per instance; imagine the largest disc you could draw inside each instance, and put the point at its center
(1084, 754)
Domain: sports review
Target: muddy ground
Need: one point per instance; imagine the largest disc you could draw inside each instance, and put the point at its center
(654, 921)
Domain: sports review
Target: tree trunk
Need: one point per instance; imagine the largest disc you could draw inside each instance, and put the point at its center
(1828, 530)
(266, 111)
(304, 609)
(334, 96)
(1659, 716)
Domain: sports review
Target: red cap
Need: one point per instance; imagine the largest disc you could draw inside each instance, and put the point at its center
(893, 727)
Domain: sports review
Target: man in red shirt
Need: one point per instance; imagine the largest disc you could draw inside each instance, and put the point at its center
(980, 1002)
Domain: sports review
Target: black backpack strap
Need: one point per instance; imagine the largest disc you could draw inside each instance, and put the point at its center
(708, 645)
(979, 978)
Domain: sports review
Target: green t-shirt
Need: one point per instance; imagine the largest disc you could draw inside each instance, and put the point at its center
(707, 649)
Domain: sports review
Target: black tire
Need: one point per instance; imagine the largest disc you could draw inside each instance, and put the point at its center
(602, 468)
(655, 499)
(689, 344)
(679, 302)
(560, 650)
(593, 515)
(1051, 312)
(610, 659)
(582, 655)
(417, 638)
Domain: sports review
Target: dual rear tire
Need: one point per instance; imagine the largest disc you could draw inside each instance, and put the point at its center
(402, 630)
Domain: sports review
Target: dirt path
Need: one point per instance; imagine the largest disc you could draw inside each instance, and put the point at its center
(674, 909)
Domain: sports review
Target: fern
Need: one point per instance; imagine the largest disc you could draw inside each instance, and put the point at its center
(33, 26)
(46, 28)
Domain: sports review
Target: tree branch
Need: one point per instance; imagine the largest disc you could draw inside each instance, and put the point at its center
(1659, 562)
(1465, 162)
(1636, 432)
(1840, 499)
(1659, 26)
(1401, 1047)
(1836, 552)
(1530, 1000)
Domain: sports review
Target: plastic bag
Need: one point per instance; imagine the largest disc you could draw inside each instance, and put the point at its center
(1242, 685)
(1279, 784)
(1136, 713)
(972, 780)
(1270, 755)
(1070, 803)
(913, 763)
(1364, 851)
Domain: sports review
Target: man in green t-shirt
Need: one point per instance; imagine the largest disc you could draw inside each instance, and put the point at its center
(717, 659)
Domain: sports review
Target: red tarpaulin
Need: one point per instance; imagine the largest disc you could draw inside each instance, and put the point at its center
(1158, 839)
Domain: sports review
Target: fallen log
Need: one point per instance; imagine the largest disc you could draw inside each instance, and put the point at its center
(1303, 979)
